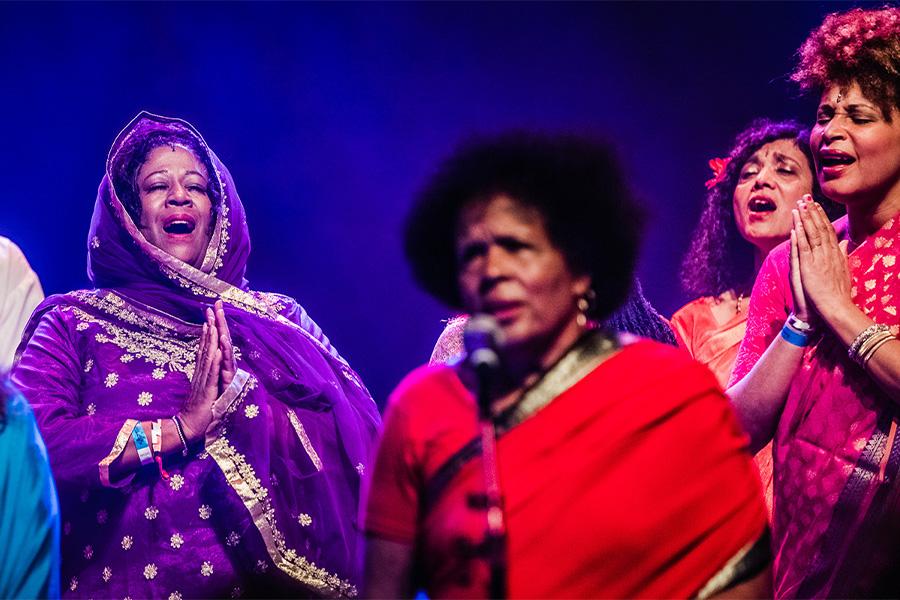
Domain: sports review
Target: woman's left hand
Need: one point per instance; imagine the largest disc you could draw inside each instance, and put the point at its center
(823, 262)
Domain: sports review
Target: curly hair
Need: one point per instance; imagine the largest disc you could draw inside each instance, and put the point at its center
(639, 317)
(859, 45)
(719, 258)
(133, 154)
(575, 183)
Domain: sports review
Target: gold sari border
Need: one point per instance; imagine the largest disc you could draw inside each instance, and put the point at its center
(594, 348)
(304, 439)
(255, 497)
(118, 447)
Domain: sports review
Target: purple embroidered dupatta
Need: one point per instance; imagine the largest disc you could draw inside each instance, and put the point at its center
(278, 483)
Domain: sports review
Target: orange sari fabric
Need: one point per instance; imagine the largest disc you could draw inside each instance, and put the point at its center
(633, 482)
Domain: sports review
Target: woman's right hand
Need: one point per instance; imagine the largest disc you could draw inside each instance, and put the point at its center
(196, 413)
(801, 305)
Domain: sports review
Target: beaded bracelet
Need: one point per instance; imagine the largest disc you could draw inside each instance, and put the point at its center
(793, 337)
(178, 428)
(141, 445)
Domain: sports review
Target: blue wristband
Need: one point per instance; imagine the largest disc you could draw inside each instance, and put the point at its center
(141, 445)
(793, 337)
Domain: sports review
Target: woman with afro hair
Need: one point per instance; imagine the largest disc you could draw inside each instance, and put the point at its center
(819, 367)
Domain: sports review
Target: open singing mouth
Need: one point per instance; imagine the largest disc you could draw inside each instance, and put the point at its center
(179, 224)
(760, 205)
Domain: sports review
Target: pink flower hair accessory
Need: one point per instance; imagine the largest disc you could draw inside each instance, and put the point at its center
(718, 166)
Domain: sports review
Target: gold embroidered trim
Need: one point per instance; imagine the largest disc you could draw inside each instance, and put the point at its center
(242, 478)
(577, 363)
(304, 439)
(229, 401)
(168, 352)
(118, 447)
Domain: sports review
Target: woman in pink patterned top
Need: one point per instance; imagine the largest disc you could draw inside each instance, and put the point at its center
(819, 368)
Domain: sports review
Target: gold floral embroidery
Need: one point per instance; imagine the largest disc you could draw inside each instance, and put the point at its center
(233, 539)
(158, 373)
(150, 571)
(145, 398)
(127, 542)
(73, 584)
(361, 469)
(151, 512)
(176, 541)
(102, 517)
(107, 574)
(242, 478)
(176, 481)
(204, 511)
(176, 595)
(95, 242)
(251, 411)
(237, 592)
(111, 380)
(91, 409)
(305, 520)
(304, 440)
(206, 569)
(81, 326)
(154, 339)
(88, 552)
(261, 566)
(88, 365)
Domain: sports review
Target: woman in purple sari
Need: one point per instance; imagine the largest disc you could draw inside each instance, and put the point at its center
(207, 440)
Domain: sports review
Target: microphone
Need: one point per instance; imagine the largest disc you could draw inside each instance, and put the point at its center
(482, 337)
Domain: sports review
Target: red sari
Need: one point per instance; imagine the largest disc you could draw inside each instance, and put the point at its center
(632, 482)
(836, 462)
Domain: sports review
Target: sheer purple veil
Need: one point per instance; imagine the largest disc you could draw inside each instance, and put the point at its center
(293, 476)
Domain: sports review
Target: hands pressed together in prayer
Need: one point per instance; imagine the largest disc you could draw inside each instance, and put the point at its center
(820, 276)
(213, 373)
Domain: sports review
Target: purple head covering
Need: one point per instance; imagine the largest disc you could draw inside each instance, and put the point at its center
(290, 480)
(119, 256)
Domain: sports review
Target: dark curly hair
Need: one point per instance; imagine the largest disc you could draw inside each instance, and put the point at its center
(133, 154)
(859, 45)
(639, 317)
(575, 183)
(719, 259)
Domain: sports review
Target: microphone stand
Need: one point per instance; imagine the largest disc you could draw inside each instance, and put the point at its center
(495, 536)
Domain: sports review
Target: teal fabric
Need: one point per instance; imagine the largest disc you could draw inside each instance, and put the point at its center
(29, 511)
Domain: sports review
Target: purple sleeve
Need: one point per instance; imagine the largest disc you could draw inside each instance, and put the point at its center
(49, 375)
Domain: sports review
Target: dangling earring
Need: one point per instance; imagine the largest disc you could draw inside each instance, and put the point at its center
(584, 304)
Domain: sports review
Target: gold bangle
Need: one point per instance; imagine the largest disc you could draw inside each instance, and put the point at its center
(875, 347)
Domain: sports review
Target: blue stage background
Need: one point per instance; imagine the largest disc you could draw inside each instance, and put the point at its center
(331, 115)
